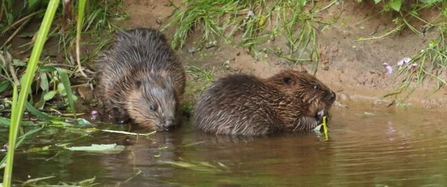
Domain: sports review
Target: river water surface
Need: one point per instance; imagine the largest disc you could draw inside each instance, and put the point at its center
(366, 147)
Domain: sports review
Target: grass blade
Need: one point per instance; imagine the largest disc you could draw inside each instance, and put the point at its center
(81, 11)
(66, 82)
(36, 112)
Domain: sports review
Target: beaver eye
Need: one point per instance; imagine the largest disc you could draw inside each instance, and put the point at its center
(316, 86)
(287, 81)
(153, 107)
(138, 84)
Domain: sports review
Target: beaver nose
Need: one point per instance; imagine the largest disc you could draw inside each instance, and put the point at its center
(169, 123)
(332, 96)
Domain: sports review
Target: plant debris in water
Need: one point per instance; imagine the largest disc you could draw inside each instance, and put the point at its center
(198, 166)
(99, 148)
(39, 182)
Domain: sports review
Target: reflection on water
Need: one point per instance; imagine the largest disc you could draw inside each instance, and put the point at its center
(366, 147)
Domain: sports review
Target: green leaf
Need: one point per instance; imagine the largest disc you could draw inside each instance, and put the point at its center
(32, 4)
(44, 84)
(5, 84)
(10, 18)
(18, 62)
(4, 121)
(61, 89)
(50, 95)
(395, 4)
(83, 122)
(47, 69)
(74, 97)
(60, 122)
(64, 87)
(66, 82)
(36, 112)
(377, 1)
(431, 1)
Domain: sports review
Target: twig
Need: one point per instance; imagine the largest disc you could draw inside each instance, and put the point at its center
(379, 37)
(78, 57)
(129, 133)
(327, 6)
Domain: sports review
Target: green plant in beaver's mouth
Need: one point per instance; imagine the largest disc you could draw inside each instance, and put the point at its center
(324, 126)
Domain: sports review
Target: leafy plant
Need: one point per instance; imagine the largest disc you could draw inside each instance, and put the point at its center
(51, 81)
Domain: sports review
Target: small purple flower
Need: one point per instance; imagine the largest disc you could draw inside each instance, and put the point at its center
(68, 120)
(94, 112)
(414, 65)
(403, 61)
(388, 68)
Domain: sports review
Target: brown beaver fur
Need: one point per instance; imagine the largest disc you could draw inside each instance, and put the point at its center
(242, 104)
(141, 78)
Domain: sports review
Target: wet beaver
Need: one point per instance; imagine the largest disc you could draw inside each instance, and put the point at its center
(141, 78)
(242, 104)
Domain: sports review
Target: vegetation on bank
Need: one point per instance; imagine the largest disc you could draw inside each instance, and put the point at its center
(52, 79)
(49, 73)
(253, 24)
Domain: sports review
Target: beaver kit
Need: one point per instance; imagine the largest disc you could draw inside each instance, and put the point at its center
(243, 104)
(141, 79)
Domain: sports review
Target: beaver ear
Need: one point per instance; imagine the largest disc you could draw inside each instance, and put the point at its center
(137, 84)
(288, 81)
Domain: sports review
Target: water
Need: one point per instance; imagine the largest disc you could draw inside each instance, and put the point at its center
(366, 147)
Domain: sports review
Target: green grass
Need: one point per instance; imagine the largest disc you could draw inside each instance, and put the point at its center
(251, 23)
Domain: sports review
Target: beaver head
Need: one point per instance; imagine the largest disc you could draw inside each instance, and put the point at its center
(312, 95)
(152, 101)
